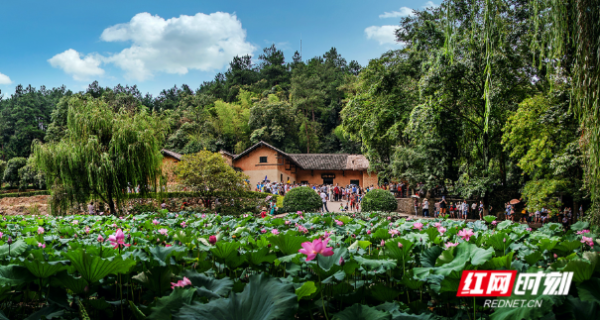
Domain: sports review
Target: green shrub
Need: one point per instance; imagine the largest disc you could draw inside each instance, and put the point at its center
(301, 199)
(379, 200)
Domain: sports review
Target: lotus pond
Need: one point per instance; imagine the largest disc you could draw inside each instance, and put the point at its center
(303, 266)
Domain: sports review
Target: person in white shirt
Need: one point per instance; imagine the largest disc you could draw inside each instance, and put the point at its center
(425, 208)
(465, 209)
(324, 199)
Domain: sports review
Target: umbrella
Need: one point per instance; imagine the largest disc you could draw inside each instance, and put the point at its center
(514, 201)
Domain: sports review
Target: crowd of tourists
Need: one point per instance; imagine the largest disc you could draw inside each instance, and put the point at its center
(349, 196)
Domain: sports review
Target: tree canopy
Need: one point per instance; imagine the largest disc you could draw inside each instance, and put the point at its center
(108, 149)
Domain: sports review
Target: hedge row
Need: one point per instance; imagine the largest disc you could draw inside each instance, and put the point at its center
(213, 194)
(25, 194)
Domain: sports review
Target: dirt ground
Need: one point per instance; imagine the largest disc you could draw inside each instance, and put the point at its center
(24, 205)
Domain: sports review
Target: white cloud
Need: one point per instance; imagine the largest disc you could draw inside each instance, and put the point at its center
(430, 4)
(4, 79)
(404, 12)
(201, 42)
(383, 34)
(81, 69)
(176, 45)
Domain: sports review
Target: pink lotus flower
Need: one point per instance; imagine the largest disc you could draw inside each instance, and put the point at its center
(299, 212)
(587, 240)
(287, 222)
(339, 223)
(466, 234)
(528, 229)
(118, 239)
(318, 246)
(408, 219)
(75, 222)
(168, 245)
(183, 224)
(87, 230)
(451, 244)
(2, 234)
(400, 245)
(382, 243)
(114, 225)
(275, 232)
(437, 224)
(418, 225)
(302, 229)
(212, 240)
(494, 222)
(181, 283)
(100, 239)
(40, 230)
(326, 234)
(163, 231)
(555, 256)
(441, 230)
(583, 231)
(394, 232)
(368, 231)
(263, 231)
(155, 222)
(177, 215)
(389, 218)
(40, 245)
(203, 215)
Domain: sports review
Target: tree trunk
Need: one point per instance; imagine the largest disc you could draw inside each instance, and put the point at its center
(111, 203)
(307, 138)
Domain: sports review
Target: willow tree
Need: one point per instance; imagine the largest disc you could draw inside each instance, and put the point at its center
(106, 151)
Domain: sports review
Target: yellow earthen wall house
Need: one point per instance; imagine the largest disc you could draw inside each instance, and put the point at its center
(264, 161)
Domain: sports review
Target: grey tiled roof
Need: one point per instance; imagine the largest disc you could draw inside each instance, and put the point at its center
(173, 154)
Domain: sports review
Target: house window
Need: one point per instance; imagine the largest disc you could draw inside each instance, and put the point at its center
(263, 160)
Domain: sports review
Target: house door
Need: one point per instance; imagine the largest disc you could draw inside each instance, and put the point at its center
(328, 178)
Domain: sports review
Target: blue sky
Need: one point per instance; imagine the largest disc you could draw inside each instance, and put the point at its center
(157, 44)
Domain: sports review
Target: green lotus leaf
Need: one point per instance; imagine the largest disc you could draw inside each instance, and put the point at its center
(362, 312)
(94, 268)
(264, 298)
(288, 243)
(306, 290)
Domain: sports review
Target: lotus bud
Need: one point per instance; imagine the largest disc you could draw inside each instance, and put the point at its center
(9, 240)
(368, 231)
(382, 243)
(212, 240)
(342, 261)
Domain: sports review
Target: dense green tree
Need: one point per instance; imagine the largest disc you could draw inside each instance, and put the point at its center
(308, 99)
(543, 137)
(208, 171)
(272, 67)
(272, 122)
(11, 172)
(378, 105)
(24, 117)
